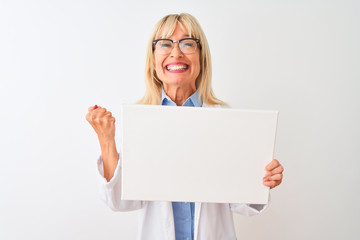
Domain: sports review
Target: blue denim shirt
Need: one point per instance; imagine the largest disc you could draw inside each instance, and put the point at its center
(183, 212)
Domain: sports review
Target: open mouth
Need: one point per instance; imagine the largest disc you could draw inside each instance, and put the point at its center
(177, 67)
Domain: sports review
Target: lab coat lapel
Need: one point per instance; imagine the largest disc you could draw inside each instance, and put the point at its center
(197, 218)
(169, 219)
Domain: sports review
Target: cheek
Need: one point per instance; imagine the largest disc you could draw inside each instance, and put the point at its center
(197, 67)
(156, 64)
(158, 61)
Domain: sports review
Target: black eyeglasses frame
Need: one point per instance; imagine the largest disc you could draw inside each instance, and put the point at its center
(178, 41)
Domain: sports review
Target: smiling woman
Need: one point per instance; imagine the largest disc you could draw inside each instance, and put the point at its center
(180, 31)
(178, 73)
(178, 70)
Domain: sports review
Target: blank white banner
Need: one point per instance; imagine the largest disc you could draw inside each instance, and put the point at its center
(196, 154)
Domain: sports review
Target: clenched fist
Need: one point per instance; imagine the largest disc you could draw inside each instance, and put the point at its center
(102, 121)
(104, 125)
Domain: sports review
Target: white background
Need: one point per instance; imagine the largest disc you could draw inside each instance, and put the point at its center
(59, 57)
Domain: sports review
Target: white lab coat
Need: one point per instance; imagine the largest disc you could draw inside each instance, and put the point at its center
(213, 221)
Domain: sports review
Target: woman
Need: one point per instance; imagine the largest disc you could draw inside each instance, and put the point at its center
(178, 72)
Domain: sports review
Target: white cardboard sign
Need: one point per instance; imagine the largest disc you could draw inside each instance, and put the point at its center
(192, 154)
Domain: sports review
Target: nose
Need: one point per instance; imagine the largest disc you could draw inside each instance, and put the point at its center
(176, 52)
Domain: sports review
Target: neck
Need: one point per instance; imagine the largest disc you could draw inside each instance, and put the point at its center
(179, 94)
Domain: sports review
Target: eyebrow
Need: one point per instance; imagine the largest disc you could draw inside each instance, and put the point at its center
(182, 36)
(185, 36)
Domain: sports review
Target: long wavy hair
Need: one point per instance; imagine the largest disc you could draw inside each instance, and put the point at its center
(164, 29)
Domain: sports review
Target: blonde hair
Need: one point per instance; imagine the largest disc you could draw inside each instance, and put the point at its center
(166, 27)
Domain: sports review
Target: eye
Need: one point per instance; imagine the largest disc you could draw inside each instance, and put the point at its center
(165, 45)
(188, 43)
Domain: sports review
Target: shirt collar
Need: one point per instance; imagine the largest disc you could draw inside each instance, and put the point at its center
(192, 101)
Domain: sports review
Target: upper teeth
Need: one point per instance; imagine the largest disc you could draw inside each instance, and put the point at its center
(176, 67)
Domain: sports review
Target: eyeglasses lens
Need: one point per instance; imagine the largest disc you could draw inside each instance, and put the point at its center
(187, 46)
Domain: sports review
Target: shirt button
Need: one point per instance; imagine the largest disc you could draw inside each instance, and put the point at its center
(187, 219)
(187, 238)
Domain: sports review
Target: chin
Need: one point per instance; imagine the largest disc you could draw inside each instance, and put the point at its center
(177, 81)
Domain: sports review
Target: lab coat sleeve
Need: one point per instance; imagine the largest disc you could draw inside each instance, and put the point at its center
(111, 191)
(248, 209)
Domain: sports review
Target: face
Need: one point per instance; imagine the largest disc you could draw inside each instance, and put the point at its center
(176, 68)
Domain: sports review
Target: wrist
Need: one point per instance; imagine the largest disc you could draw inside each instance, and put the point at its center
(108, 148)
(107, 144)
(107, 140)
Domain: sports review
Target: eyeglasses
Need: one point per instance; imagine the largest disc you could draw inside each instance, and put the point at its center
(186, 45)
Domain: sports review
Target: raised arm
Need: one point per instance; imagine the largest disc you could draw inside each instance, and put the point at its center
(109, 163)
(103, 123)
